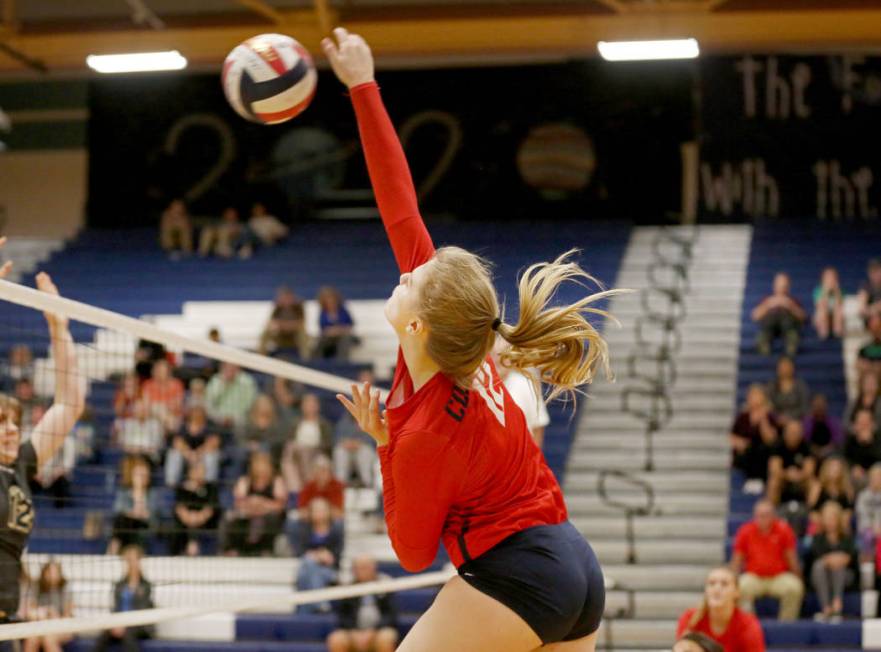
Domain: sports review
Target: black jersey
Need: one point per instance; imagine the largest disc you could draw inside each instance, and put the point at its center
(16, 522)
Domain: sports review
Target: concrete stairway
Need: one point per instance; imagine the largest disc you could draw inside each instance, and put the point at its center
(683, 534)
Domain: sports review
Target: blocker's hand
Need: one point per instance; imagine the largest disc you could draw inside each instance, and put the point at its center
(7, 266)
(45, 284)
(350, 57)
(364, 408)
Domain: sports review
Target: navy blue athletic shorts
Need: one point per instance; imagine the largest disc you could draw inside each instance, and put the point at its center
(549, 576)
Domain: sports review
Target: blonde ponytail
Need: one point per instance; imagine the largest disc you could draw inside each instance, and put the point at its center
(558, 342)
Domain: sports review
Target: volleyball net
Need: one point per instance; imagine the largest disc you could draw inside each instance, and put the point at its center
(190, 463)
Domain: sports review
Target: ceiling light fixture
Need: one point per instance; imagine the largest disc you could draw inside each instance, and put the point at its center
(648, 50)
(136, 62)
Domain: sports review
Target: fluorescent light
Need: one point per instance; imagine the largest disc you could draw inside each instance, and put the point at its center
(136, 61)
(642, 50)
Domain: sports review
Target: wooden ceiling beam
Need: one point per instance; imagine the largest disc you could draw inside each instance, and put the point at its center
(265, 10)
(542, 34)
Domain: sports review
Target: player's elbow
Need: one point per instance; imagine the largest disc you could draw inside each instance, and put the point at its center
(416, 560)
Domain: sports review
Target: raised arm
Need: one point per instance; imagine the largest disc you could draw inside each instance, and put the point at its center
(389, 173)
(51, 431)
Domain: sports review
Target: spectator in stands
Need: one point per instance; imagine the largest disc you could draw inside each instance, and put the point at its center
(258, 514)
(128, 392)
(27, 401)
(526, 392)
(823, 432)
(833, 485)
(267, 228)
(175, 230)
(286, 394)
(228, 238)
(311, 435)
(366, 622)
(789, 395)
(55, 475)
(131, 593)
(696, 642)
(164, 395)
(335, 325)
(869, 357)
(791, 467)
(51, 599)
(136, 507)
(318, 542)
(285, 333)
(862, 449)
(196, 396)
(829, 305)
(754, 435)
(869, 514)
(322, 484)
(146, 355)
(869, 297)
(779, 315)
(198, 367)
(196, 511)
(832, 555)
(141, 434)
(719, 618)
(19, 365)
(353, 449)
(868, 398)
(263, 432)
(229, 396)
(197, 442)
(765, 549)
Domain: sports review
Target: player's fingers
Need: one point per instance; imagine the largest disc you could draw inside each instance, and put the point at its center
(361, 404)
(341, 34)
(348, 405)
(2, 241)
(374, 408)
(7, 267)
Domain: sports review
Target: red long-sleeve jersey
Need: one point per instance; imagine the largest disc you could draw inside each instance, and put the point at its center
(460, 465)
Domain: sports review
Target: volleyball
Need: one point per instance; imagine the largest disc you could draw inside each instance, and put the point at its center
(269, 78)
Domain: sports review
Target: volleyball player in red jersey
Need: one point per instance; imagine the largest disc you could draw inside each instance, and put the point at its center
(458, 461)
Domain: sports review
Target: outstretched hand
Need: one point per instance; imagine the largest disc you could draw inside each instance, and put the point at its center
(350, 57)
(45, 284)
(364, 408)
(7, 266)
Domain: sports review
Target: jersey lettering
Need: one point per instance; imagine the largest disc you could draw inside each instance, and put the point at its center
(494, 397)
(458, 403)
(21, 511)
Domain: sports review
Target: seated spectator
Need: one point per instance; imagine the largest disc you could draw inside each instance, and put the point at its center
(196, 511)
(719, 618)
(829, 305)
(52, 599)
(54, 476)
(832, 485)
(196, 396)
(164, 395)
(366, 622)
(228, 238)
(258, 514)
(754, 435)
(353, 449)
(789, 396)
(765, 550)
(135, 508)
(335, 325)
(791, 467)
(779, 315)
(229, 396)
(127, 394)
(19, 365)
(285, 333)
(286, 395)
(695, 642)
(311, 435)
(264, 431)
(197, 442)
(869, 357)
(869, 297)
(198, 367)
(862, 448)
(175, 229)
(868, 398)
(268, 228)
(322, 484)
(146, 355)
(140, 434)
(869, 514)
(832, 555)
(131, 593)
(823, 432)
(27, 400)
(318, 542)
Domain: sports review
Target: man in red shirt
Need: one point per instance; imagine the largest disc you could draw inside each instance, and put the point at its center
(323, 484)
(765, 550)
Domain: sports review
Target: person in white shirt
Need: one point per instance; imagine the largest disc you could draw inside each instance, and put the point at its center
(525, 390)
